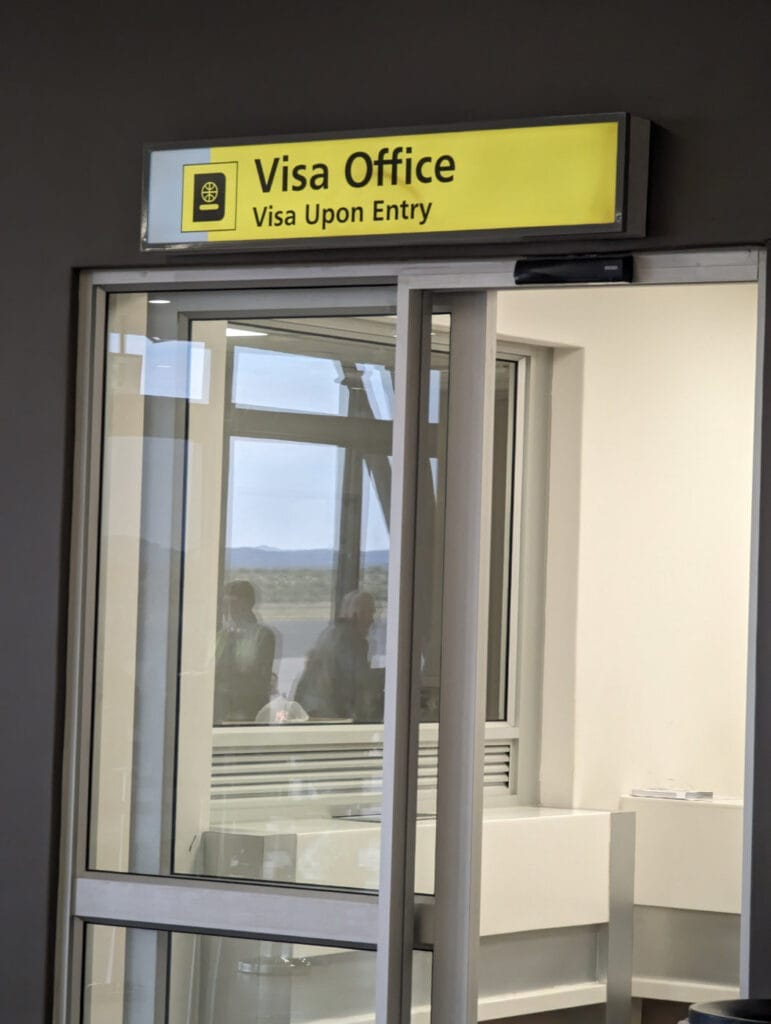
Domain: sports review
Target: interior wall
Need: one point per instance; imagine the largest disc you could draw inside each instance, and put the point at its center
(654, 694)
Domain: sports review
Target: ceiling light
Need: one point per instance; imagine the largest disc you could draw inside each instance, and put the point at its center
(242, 332)
(159, 302)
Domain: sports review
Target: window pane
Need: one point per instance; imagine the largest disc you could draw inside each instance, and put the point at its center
(286, 382)
(500, 638)
(174, 978)
(300, 366)
(242, 617)
(296, 755)
(282, 517)
(242, 605)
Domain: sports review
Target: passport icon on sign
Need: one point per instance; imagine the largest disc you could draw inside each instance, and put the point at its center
(209, 194)
(209, 198)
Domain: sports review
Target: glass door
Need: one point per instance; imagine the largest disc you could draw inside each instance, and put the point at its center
(282, 560)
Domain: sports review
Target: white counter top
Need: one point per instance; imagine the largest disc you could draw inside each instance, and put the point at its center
(542, 867)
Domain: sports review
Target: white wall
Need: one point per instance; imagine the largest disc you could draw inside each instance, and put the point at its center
(645, 666)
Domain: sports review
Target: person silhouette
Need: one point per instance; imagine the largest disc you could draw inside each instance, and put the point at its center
(244, 657)
(337, 681)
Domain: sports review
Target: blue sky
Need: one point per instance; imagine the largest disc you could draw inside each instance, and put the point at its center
(284, 494)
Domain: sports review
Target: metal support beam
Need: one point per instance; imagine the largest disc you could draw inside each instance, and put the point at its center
(755, 948)
(400, 730)
(464, 659)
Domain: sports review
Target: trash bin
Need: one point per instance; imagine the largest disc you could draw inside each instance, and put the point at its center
(756, 1011)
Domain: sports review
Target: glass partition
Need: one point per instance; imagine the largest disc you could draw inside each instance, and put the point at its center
(241, 483)
(305, 532)
(214, 978)
(243, 585)
(243, 612)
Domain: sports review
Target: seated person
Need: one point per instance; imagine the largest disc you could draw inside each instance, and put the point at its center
(337, 681)
(244, 657)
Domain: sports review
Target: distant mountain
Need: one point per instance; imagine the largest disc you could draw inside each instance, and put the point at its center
(275, 558)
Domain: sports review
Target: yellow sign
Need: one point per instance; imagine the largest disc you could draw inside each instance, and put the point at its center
(535, 179)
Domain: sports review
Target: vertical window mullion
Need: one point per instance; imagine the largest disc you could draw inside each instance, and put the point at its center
(400, 739)
(466, 594)
(80, 645)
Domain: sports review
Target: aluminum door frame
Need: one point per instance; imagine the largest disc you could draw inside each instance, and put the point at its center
(160, 902)
(399, 922)
(167, 903)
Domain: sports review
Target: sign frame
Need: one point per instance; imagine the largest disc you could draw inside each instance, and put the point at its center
(630, 206)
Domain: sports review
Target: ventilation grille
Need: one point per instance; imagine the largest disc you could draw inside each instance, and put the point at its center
(343, 770)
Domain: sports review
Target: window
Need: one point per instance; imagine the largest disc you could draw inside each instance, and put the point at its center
(245, 531)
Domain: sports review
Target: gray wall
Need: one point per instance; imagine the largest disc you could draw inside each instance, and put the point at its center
(82, 87)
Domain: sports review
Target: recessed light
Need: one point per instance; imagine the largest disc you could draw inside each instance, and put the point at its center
(242, 332)
(159, 302)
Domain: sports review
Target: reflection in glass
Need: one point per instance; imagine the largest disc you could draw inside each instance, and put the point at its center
(280, 379)
(501, 630)
(430, 547)
(430, 531)
(301, 492)
(242, 596)
(306, 516)
(245, 650)
(242, 606)
(133, 975)
(285, 539)
(285, 381)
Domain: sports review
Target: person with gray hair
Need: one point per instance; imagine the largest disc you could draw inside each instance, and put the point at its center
(337, 681)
